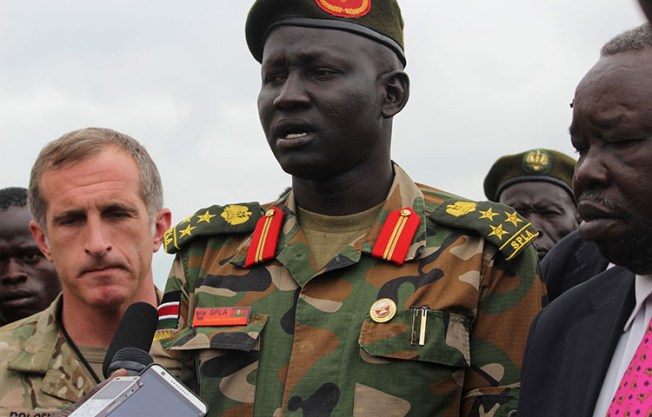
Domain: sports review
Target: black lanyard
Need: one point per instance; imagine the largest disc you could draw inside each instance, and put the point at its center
(75, 349)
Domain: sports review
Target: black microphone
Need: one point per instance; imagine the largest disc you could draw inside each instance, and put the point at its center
(132, 359)
(132, 339)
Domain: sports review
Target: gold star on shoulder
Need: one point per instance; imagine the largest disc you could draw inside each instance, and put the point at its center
(186, 220)
(498, 231)
(488, 214)
(513, 218)
(187, 231)
(206, 217)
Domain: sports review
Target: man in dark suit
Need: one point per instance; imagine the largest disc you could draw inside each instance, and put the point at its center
(582, 345)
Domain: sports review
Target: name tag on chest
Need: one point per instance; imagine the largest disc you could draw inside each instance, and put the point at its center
(221, 316)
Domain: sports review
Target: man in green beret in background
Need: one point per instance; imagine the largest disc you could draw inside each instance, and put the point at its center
(359, 292)
(538, 184)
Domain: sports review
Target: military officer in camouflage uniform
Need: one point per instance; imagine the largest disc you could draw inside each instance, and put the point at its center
(96, 198)
(358, 293)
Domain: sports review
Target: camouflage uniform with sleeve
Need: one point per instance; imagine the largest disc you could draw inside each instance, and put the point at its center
(40, 373)
(442, 334)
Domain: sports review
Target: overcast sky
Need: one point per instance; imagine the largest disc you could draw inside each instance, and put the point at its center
(488, 78)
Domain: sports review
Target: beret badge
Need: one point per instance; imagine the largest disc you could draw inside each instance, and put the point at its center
(345, 8)
(537, 161)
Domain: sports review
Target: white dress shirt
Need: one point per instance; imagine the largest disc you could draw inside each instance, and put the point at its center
(628, 343)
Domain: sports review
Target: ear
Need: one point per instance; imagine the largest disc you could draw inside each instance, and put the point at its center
(163, 222)
(397, 92)
(41, 240)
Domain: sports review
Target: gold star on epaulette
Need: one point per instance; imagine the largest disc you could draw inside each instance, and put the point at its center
(212, 221)
(187, 231)
(498, 231)
(206, 217)
(488, 214)
(513, 218)
(517, 232)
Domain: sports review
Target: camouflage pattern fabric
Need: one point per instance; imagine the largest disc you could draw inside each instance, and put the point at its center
(317, 344)
(39, 371)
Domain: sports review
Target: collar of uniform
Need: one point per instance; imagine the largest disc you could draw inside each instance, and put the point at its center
(38, 351)
(643, 290)
(287, 230)
(403, 193)
(43, 354)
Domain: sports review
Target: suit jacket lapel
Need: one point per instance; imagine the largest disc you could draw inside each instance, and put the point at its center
(592, 341)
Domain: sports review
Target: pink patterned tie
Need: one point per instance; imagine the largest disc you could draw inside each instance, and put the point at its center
(634, 395)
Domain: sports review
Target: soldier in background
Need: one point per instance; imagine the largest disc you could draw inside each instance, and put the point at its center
(96, 199)
(538, 184)
(359, 292)
(28, 281)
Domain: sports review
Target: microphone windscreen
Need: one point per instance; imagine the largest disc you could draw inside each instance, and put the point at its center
(132, 359)
(136, 329)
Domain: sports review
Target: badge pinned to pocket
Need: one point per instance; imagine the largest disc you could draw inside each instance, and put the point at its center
(383, 310)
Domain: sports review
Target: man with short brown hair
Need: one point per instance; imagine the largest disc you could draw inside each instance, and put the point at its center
(96, 198)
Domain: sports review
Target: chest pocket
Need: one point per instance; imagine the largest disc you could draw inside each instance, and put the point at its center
(426, 367)
(226, 358)
(438, 337)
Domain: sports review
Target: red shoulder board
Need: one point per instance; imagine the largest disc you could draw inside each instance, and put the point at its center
(396, 235)
(265, 238)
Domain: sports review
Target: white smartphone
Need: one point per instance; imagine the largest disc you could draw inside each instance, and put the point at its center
(161, 395)
(158, 394)
(109, 397)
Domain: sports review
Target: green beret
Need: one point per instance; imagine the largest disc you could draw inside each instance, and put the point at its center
(533, 165)
(379, 20)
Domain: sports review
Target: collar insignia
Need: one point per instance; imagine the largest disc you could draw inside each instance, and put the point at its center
(396, 235)
(265, 237)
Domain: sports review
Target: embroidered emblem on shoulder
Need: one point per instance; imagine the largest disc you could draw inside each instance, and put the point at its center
(214, 220)
(236, 214)
(497, 223)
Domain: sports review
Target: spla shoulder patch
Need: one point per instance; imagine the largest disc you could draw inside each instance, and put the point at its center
(497, 223)
(214, 220)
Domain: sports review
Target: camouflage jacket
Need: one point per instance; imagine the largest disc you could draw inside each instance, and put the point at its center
(39, 371)
(442, 335)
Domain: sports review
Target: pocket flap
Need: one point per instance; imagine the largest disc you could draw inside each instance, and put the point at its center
(244, 338)
(446, 338)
